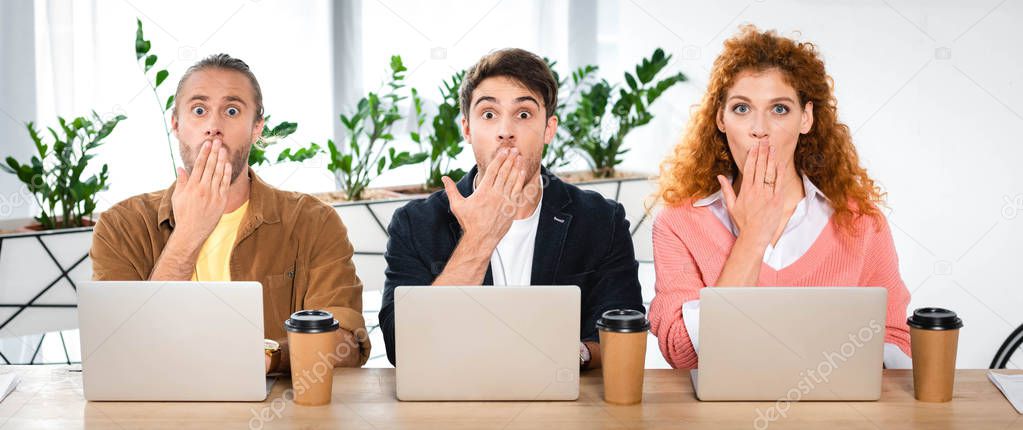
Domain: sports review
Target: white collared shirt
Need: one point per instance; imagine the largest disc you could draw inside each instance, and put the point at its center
(807, 222)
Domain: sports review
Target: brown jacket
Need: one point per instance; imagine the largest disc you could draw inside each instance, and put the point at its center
(292, 243)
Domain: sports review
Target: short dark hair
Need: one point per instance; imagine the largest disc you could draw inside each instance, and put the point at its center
(518, 64)
(224, 62)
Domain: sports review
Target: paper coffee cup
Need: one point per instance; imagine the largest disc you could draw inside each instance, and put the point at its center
(623, 334)
(934, 335)
(312, 338)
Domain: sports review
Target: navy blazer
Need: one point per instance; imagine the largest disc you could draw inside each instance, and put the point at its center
(582, 239)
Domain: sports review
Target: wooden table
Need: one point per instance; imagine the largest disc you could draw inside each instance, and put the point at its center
(51, 397)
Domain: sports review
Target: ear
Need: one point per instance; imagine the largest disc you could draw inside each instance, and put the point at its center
(465, 129)
(551, 130)
(257, 128)
(806, 123)
(174, 123)
(720, 119)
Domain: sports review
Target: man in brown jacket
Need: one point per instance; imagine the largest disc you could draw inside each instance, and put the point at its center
(220, 222)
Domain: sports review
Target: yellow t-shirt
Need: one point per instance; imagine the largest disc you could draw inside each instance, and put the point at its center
(214, 262)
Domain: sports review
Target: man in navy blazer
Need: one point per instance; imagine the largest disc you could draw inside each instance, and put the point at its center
(509, 221)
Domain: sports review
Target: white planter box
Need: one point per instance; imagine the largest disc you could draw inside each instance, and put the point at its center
(39, 275)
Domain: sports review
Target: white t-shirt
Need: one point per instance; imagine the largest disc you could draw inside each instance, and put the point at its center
(512, 260)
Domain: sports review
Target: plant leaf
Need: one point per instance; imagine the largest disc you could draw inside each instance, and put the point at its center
(396, 64)
(257, 156)
(281, 131)
(346, 163)
(300, 154)
(631, 81)
(160, 77)
(141, 45)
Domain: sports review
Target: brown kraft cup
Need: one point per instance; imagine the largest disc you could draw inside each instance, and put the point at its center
(312, 338)
(934, 335)
(623, 334)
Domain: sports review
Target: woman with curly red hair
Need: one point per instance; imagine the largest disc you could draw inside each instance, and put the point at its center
(766, 189)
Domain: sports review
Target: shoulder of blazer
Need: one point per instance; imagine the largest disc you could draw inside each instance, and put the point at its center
(432, 209)
(589, 206)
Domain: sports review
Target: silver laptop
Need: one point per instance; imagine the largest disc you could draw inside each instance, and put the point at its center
(487, 343)
(791, 344)
(172, 341)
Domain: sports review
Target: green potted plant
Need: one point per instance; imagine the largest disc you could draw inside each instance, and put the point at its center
(559, 153)
(56, 175)
(367, 148)
(445, 137)
(601, 143)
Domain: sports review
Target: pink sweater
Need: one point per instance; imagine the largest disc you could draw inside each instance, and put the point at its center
(691, 246)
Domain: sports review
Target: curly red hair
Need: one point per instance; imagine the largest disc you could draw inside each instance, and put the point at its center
(825, 154)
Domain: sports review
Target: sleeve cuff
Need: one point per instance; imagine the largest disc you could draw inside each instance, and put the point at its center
(894, 358)
(353, 321)
(691, 319)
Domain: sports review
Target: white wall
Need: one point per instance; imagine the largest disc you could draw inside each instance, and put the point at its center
(17, 101)
(931, 90)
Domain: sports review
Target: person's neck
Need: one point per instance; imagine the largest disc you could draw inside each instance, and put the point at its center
(238, 193)
(794, 192)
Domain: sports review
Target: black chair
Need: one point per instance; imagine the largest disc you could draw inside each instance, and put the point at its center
(1010, 346)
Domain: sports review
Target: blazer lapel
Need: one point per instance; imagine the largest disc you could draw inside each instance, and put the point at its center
(551, 231)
